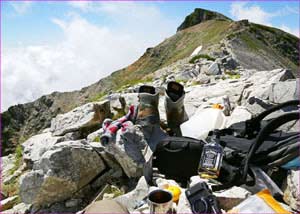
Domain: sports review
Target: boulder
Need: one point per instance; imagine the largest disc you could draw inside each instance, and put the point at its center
(187, 74)
(117, 104)
(72, 136)
(280, 92)
(15, 175)
(83, 117)
(61, 171)
(131, 99)
(212, 69)
(36, 146)
(202, 79)
(229, 63)
(9, 202)
(291, 190)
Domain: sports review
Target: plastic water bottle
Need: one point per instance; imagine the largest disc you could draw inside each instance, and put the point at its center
(211, 158)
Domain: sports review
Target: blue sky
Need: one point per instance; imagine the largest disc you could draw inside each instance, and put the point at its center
(31, 22)
(50, 46)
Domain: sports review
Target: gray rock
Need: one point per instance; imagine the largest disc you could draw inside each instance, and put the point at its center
(131, 98)
(229, 63)
(97, 146)
(63, 170)
(9, 202)
(72, 136)
(287, 75)
(73, 202)
(15, 175)
(112, 174)
(131, 199)
(291, 190)
(111, 161)
(186, 75)
(36, 146)
(239, 114)
(212, 69)
(282, 91)
(201, 96)
(83, 116)
(202, 79)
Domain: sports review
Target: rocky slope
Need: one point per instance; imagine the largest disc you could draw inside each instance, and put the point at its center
(252, 46)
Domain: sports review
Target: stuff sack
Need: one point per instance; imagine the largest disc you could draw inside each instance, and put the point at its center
(178, 157)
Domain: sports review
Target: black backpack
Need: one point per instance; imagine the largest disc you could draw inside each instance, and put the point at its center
(260, 143)
(255, 141)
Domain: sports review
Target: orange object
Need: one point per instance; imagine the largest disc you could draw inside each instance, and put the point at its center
(176, 191)
(267, 197)
(217, 106)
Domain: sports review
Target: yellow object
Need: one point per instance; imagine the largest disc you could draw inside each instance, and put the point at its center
(261, 202)
(267, 197)
(217, 106)
(176, 191)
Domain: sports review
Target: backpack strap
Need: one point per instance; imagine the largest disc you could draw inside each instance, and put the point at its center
(253, 125)
(264, 133)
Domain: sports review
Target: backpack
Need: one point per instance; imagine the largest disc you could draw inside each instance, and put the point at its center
(259, 143)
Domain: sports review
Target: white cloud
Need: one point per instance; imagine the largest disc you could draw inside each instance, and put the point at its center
(293, 31)
(254, 13)
(21, 7)
(87, 53)
(82, 5)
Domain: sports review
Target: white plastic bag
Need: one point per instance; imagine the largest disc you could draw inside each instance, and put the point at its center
(262, 202)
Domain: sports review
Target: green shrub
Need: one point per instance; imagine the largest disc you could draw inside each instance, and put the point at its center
(203, 56)
(11, 189)
(18, 159)
(97, 97)
(96, 139)
(235, 76)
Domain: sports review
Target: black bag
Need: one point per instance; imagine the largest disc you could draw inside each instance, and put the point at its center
(178, 157)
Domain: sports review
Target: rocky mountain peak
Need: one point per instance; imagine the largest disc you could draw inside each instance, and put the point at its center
(200, 15)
